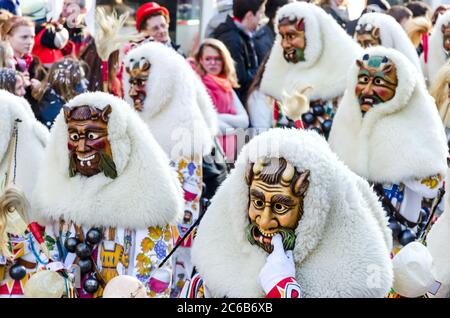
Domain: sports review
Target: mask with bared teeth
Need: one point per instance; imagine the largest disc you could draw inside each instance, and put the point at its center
(89, 148)
(377, 81)
(276, 193)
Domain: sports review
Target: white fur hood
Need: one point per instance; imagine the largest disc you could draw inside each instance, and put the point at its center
(31, 141)
(343, 242)
(436, 53)
(397, 140)
(146, 191)
(328, 54)
(177, 109)
(392, 35)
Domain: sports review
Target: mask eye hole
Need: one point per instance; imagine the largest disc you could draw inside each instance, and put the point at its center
(74, 136)
(258, 204)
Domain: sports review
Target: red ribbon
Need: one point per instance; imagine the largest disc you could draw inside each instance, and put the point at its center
(36, 229)
(105, 71)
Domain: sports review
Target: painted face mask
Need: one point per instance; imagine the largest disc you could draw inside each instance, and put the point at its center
(276, 197)
(377, 81)
(89, 148)
(367, 35)
(138, 72)
(446, 38)
(293, 39)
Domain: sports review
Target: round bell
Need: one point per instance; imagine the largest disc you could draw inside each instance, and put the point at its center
(91, 285)
(45, 284)
(83, 251)
(406, 237)
(124, 286)
(412, 270)
(94, 236)
(308, 118)
(318, 110)
(85, 266)
(17, 272)
(71, 244)
(326, 125)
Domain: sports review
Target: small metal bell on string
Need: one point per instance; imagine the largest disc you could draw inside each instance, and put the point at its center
(91, 285)
(406, 237)
(85, 265)
(83, 251)
(71, 244)
(94, 236)
(17, 272)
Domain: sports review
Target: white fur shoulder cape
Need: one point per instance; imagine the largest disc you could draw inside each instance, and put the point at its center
(177, 109)
(328, 54)
(145, 193)
(436, 53)
(395, 141)
(392, 35)
(343, 242)
(31, 141)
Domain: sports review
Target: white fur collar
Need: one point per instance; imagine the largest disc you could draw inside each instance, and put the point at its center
(329, 51)
(392, 35)
(342, 233)
(32, 138)
(436, 53)
(397, 140)
(177, 109)
(145, 192)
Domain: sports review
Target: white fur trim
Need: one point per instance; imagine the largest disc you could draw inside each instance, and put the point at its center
(32, 138)
(177, 109)
(145, 193)
(397, 140)
(438, 242)
(392, 35)
(436, 53)
(342, 240)
(329, 51)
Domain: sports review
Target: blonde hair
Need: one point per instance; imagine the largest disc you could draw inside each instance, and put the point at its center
(4, 48)
(15, 22)
(439, 90)
(228, 71)
(12, 200)
(416, 27)
(5, 15)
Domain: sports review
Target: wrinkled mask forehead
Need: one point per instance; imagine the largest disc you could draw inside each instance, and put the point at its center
(367, 35)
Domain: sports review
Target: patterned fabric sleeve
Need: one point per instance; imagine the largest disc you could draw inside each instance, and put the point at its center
(287, 288)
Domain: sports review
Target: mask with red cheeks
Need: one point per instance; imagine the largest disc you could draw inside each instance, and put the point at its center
(377, 81)
(89, 148)
(138, 72)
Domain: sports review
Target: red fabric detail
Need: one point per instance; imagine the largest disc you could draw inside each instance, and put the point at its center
(275, 292)
(150, 8)
(298, 124)
(16, 289)
(45, 54)
(236, 19)
(37, 231)
(276, 111)
(425, 47)
(105, 71)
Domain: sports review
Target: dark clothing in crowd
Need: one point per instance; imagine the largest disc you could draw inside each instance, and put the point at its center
(264, 39)
(242, 48)
(341, 21)
(49, 107)
(12, 6)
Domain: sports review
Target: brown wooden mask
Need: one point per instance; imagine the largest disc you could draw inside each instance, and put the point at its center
(138, 72)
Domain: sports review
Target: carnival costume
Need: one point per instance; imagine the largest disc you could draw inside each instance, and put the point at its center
(388, 131)
(21, 148)
(314, 64)
(174, 104)
(439, 47)
(109, 196)
(341, 231)
(381, 29)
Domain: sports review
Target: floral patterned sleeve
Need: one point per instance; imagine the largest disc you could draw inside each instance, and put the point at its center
(152, 246)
